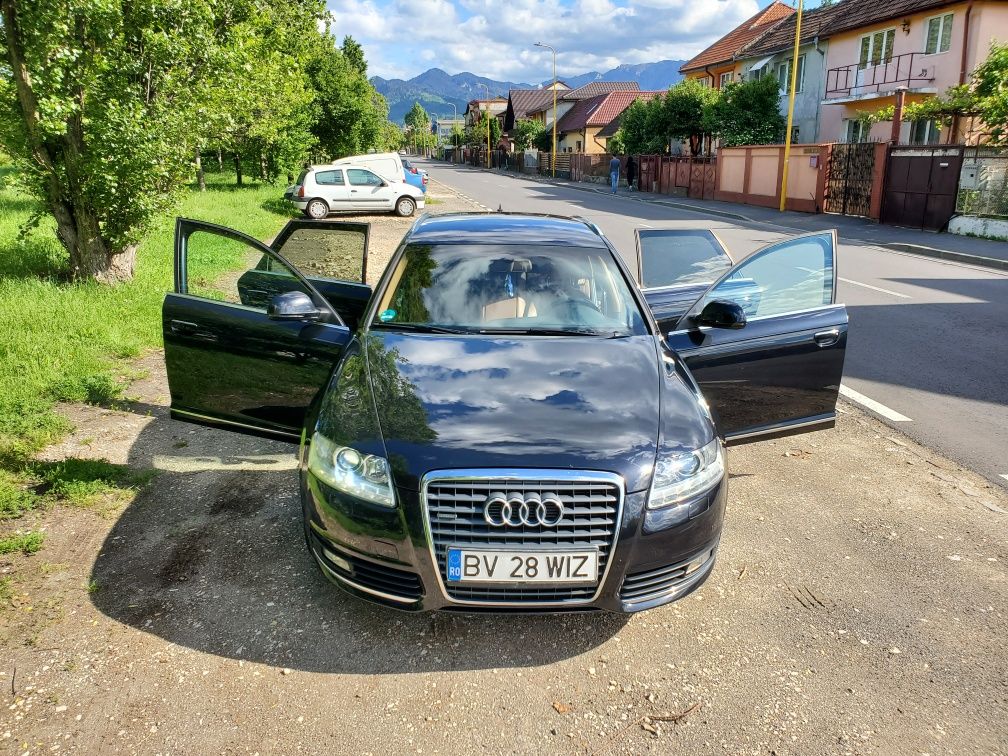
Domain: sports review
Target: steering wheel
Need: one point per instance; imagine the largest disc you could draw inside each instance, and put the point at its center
(581, 302)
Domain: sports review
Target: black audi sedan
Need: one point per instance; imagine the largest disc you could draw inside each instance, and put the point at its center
(502, 424)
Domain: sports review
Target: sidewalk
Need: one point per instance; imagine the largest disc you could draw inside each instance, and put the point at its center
(966, 249)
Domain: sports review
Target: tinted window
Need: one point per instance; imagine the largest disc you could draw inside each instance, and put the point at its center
(329, 178)
(361, 177)
(680, 256)
(794, 275)
(495, 287)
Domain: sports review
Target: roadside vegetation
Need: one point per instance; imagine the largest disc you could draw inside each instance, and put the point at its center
(65, 340)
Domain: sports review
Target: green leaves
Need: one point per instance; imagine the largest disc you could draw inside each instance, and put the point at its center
(746, 113)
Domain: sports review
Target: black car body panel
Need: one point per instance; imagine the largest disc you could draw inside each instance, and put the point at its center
(451, 412)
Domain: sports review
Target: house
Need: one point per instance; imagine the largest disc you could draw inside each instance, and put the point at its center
(921, 46)
(578, 130)
(772, 52)
(524, 102)
(475, 109)
(443, 128)
(717, 65)
(537, 104)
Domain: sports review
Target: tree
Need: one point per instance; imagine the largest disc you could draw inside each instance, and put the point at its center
(526, 131)
(682, 112)
(96, 107)
(350, 116)
(990, 90)
(419, 123)
(544, 140)
(616, 145)
(639, 131)
(354, 54)
(746, 113)
(457, 135)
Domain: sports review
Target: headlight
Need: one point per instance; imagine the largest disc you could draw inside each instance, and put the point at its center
(684, 476)
(365, 476)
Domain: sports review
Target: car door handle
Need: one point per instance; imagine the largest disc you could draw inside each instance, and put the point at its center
(827, 338)
(353, 191)
(183, 326)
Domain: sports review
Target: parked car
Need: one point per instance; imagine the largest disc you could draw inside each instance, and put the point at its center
(388, 165)
(325, 189)
(415, 176)
(502, 424)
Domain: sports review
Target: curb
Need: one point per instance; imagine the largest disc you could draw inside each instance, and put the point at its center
(945, 254)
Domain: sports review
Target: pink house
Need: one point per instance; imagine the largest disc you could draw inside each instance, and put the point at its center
(923, 46)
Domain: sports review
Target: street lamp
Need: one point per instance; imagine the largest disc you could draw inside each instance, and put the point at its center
(488, 120)
(553, 155)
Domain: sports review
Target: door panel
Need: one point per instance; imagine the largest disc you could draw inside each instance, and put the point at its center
(368, 191)
(228, 363)
(333, 188)
(780, 373)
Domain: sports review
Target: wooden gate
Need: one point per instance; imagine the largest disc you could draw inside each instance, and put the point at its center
(921, 186)
(849, 179)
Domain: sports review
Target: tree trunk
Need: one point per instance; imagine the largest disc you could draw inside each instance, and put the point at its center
(220, 160)
(238, 169)
(200, 177)
(262, 167)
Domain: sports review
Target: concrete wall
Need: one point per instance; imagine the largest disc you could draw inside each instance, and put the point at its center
(752, 175)
(806, 112)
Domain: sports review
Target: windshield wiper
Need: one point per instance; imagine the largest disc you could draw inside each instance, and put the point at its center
(551, 332)
(420, 328)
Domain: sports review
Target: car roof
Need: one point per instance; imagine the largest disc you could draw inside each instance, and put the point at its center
(505, 228)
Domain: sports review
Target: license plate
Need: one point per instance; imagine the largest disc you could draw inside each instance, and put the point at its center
(478, 566)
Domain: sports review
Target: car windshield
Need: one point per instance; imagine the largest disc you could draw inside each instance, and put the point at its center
(509, 289)
(673, 257)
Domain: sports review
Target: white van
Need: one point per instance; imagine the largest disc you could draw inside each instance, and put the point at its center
(388, 165)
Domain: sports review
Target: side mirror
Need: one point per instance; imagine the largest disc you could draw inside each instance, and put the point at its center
(292, 305)
(722, 314)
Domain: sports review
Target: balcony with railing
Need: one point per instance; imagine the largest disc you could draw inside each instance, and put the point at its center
(879, 78)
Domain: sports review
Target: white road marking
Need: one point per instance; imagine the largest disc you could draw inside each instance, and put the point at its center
(876, 288)
(261, 462)
(880, 409)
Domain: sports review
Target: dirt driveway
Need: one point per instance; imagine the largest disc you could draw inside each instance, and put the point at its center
(858, 606)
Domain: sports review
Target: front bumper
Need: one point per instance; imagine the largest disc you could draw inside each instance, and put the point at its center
(384, 555)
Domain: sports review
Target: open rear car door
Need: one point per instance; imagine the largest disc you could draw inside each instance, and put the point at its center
(766, 340)
(251, 331)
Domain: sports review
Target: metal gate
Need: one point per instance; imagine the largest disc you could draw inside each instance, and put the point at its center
(921, 186)
(849, 179)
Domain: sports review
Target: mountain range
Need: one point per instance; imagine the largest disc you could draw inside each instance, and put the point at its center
(437, 90)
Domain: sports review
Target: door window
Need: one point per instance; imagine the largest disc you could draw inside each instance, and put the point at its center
(784, 75)
(794, 275)
(877, 48)
(363, 177)
(672, 257)
(329, 178)
(925, 132)
(939, 34)
(228, 270)
(326, 252)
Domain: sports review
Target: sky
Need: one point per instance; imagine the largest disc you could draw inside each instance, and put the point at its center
(403, 38)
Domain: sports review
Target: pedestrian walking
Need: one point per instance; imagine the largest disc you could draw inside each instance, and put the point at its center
(631, 173)
(614, 168)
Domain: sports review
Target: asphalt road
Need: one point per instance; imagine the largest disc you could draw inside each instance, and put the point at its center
(927, 338)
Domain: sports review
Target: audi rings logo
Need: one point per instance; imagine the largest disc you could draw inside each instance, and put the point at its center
(517, 509)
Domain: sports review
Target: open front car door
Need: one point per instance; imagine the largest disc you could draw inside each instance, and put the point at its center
(250, 336)
(766, 341)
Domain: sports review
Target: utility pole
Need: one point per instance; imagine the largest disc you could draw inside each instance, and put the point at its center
(790, 110)
(553, 154)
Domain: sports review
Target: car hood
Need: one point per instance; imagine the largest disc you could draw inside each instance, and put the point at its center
(457, 402)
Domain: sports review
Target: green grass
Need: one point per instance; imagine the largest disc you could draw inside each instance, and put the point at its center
(64, 341)
(26, 543)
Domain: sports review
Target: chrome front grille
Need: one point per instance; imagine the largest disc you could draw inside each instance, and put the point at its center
(454, 502)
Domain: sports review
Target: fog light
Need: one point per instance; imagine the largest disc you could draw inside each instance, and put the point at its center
(339, 561)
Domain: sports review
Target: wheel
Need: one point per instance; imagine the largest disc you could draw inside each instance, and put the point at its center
(317, 209)
(405, 207)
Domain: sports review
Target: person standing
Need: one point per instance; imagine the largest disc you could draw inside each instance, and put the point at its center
(614, 168)
(631, 172)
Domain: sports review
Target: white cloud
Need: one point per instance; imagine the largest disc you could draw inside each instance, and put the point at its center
(495, 39)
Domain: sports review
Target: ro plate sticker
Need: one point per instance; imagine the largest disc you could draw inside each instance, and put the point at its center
(386, 315)
(454, 564)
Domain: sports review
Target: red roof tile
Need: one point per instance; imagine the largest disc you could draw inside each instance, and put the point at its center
(726, 48)
(600, 110)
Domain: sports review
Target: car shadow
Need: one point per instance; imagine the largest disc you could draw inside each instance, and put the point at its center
(211, 556)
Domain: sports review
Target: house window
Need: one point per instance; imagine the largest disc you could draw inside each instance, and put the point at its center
(705, 81)
(877, 48)
(925, 132)
(578, 148)
(726, 78)
(784, 75)
(939, 34)
(856, 131)
(795, 132)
